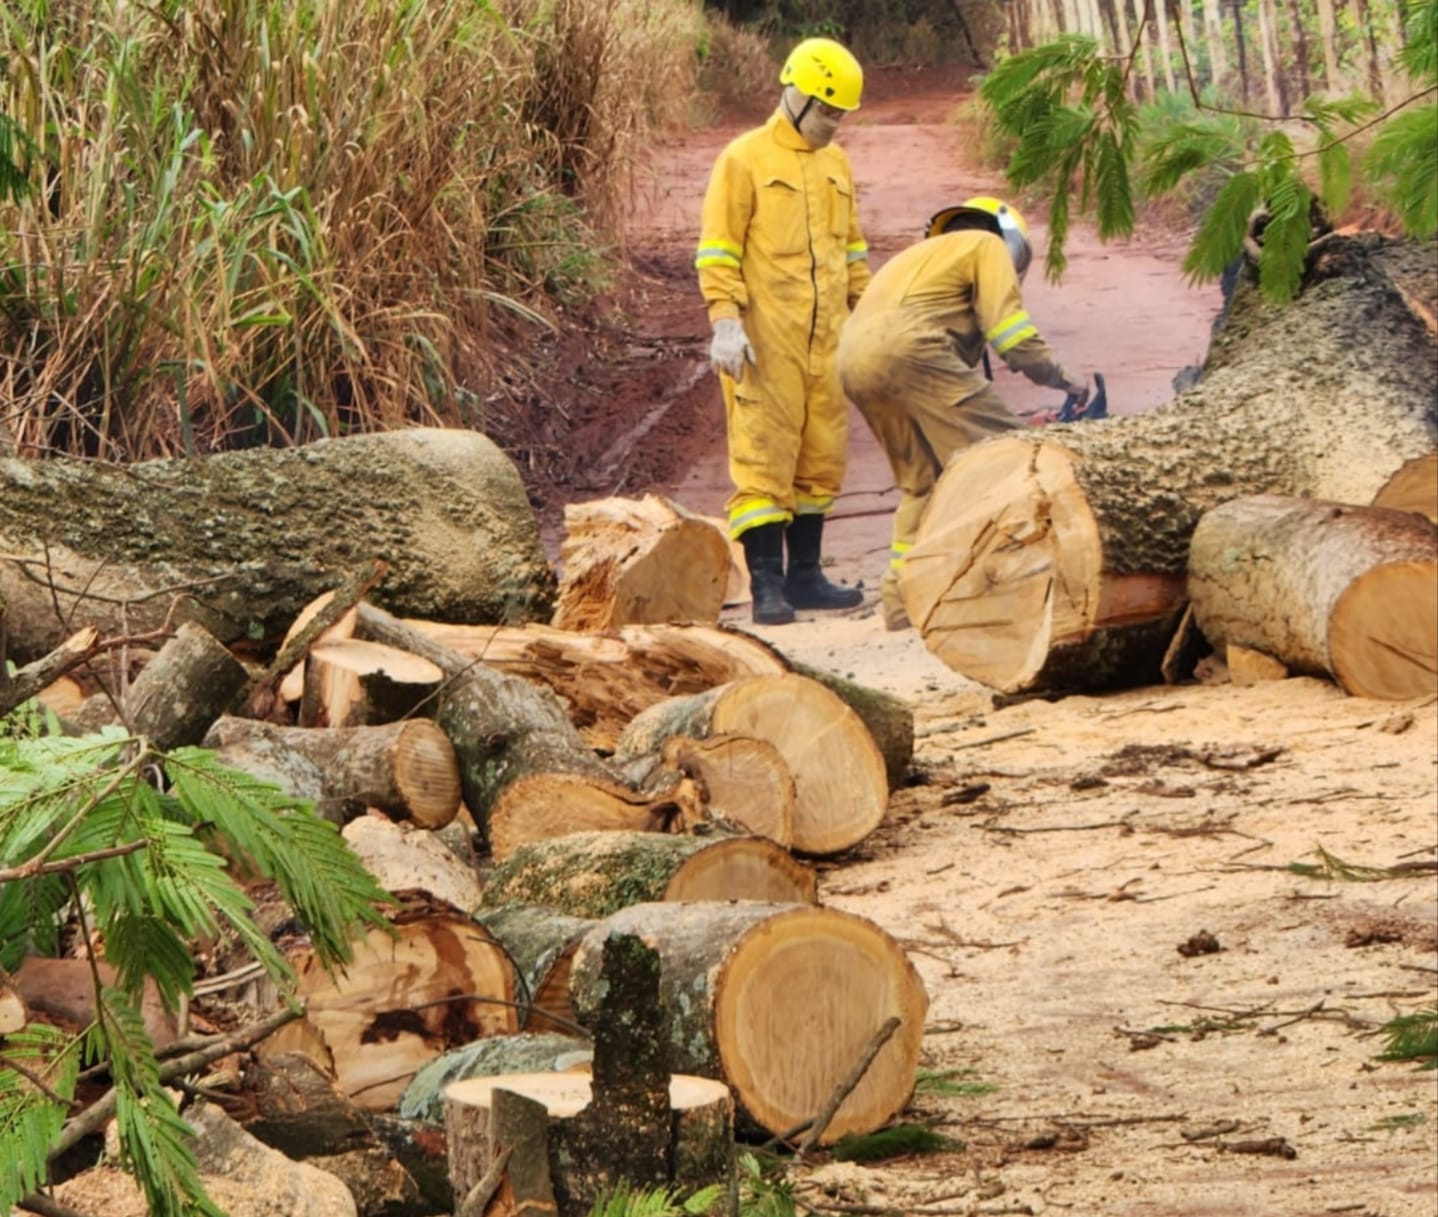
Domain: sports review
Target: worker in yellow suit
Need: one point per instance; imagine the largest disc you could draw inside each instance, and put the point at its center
(910, 355)
(781, 260)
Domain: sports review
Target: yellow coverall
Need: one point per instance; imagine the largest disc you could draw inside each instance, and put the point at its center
(780, 249)
(909, 360)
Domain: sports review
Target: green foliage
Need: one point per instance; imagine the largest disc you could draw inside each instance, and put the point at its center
(951, 1083)
(764, 1189)
(658, 1202)
(1080, 143)
(898, 1141)
(140, 851)
(1412, 1037)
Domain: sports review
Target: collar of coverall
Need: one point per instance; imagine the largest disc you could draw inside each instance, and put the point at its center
(785, 133)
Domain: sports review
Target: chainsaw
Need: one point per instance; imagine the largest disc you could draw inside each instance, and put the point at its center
(1072, 411)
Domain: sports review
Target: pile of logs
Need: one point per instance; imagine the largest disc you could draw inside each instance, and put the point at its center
(1065, 557)
(536, 798)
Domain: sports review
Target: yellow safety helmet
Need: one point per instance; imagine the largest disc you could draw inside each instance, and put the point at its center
(1004, 221)
(822, 69)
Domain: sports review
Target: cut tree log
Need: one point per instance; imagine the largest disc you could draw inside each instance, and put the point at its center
(187, 685)
(607, 679)
(403, 856)
(431, 981)
(546, 805)
(353, 683)
(840, 779)
(1327, 589)
(575, 1138)
(502, 727)
(777, 1001)
(593, 874)
(292, 687)
(114, 547)
(1057, 558)
(406, 769)
(744, 783)
(542, 942)
(628, 561)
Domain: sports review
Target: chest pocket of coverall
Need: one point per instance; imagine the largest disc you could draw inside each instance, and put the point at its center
(783, 216)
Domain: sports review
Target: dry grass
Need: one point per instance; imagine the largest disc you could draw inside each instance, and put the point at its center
(254, 221)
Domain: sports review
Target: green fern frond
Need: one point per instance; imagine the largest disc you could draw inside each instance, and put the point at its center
(1326, 113)
(1420, 56)
(31, 1116)
(1220, 235)
(1285, 237)
(1412, 1037)
(1335, 177)
(156, 1145)
(951, 1083)
(896, 1142)
(1402, 166)
(283, 839)
(625, 1201)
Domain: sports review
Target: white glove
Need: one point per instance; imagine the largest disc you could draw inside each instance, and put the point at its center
(730, 350)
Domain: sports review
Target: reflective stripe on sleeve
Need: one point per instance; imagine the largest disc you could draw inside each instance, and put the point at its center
(1011, 331)
(898, 552)
(857, 251)
(718, 253)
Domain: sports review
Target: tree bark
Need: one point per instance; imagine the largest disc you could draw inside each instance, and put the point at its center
(1213, 39)
(407, 769)
(241, 541)
(778, 1002)
(542, 942)
(1347, 592)
(502, 728)
(1327, 34)
(594, 874)
(544, 1052)
(1057, 558)
(191, 681)
(1274, 83)
(629, 562)
(840, 781)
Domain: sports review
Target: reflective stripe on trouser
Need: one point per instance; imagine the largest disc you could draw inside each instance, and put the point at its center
(788, 434)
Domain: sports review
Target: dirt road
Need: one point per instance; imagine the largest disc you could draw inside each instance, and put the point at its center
(1154, 986)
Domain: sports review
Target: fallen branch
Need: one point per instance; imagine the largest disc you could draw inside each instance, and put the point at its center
(841, 1092)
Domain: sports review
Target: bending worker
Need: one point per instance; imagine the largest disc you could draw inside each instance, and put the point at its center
(780, 261)
(909, 357)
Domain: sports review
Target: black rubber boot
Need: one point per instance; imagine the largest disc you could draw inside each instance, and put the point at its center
(764, 556)
(806, 586)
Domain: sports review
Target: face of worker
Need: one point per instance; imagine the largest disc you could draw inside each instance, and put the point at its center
(819, 121)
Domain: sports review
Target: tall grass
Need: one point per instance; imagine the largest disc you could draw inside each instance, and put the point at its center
(245, 221)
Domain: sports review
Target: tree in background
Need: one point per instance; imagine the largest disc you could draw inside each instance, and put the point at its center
(1080, 139)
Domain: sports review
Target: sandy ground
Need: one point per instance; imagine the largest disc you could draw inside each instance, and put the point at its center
(1149, 1007)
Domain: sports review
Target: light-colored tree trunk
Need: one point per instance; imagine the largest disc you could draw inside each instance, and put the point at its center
(1328, 35)
(1298, 36)
(1273, 85)
(1165, 48)
(1144, 41)
(1213, 39)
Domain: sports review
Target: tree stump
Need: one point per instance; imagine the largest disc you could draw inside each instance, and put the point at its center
(628, 561)
(527, 1052)
(244, 540)
(593, 874)
(1347, 592)
(841, 784)
(574, 1138)
(407, 769)
(777, 1001)
(1057, 558)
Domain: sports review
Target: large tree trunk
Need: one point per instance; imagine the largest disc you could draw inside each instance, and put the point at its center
(778, 1002)
(841, 785)
(594, 874)
(542, 942)
(1057, 558)
(1350, 592)
(242, 541)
